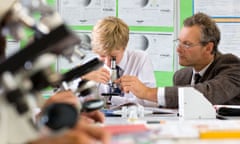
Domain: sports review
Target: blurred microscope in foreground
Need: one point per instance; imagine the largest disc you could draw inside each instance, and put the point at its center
(24, 74)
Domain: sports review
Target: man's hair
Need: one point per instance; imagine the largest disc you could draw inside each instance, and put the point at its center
(109, 34)
(209, 29)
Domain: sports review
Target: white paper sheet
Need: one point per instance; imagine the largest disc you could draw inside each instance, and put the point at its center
(146, 12)
(218, 8)
(86, 12)
(159, 47)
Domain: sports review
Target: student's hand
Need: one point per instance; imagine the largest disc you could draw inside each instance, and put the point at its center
(94, 116)
(70, 98)
(63, 97)
(94, 132)
(134, 85)
(102, 75)
(82, 133)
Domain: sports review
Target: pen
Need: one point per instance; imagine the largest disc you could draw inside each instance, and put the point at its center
(155, 122)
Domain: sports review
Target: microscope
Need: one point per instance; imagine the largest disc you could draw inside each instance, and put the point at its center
(28, 71)
(113, 88)
(86, 90)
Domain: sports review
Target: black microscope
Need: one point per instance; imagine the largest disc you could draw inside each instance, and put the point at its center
(114, 89)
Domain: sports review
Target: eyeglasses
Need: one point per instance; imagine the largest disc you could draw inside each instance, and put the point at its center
(185, 45)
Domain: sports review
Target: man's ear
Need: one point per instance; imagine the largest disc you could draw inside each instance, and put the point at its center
(210, 47)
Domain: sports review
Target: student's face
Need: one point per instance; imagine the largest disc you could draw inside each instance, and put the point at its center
(115, 53)
(190, 51)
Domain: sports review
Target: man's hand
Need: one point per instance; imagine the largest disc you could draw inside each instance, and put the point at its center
(134, 85)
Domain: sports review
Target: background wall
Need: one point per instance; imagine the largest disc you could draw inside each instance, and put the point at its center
(154, 24)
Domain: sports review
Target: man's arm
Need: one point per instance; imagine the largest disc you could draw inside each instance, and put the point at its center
(134, 85)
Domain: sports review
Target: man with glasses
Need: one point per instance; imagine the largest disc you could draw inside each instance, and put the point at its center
(215, 75)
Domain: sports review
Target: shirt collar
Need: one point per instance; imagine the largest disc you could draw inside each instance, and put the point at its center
(201, 72)
(123, 62)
